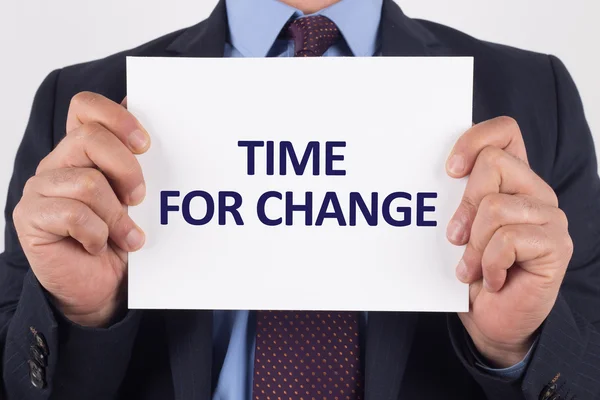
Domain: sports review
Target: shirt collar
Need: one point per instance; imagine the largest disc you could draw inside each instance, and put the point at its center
(358, 20)
(254, 25)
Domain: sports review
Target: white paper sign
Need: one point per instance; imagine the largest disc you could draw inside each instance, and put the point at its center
(226, 229)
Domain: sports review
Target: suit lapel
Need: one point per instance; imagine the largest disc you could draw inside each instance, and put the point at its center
(189, 337)
(206, 39)
(388, 343)
(402, 36)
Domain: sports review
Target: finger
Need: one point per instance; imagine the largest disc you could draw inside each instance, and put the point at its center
(89, 107)
(90, 187)
(124, 102)
(514, 244)
(502, 132)
(495, 171)
(474, 289)
(92, 145)
(60, 218)
(497, 210)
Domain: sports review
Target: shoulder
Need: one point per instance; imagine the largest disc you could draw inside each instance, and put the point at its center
(497, 67)
(503, 74)
(509, 81)
(107, 75)
(462, 42)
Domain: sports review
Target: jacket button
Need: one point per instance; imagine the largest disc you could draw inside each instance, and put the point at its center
(548, 392)
(41, 342)
(38, 355)
(36, 375)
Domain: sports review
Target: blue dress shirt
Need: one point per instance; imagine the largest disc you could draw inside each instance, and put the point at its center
(254, 29)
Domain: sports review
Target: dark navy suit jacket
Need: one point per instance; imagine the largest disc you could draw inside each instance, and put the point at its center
(168, 355)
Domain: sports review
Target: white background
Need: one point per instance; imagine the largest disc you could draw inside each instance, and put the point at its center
(37, 36)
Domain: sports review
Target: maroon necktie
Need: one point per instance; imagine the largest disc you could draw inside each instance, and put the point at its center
(312, 36)
(308, 355)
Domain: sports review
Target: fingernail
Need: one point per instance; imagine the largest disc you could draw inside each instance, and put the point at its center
(455, 231)
(461, 271)
(138, 140)
(135, 239)
(456, 164)
(137, 195)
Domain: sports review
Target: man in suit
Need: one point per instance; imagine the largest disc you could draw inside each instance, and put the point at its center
(533, 329)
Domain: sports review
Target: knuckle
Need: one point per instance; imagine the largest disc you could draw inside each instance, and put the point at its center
(528, 207)
(490, 155)
(569, 245)
(84, 98)
(18, 213)
(469, 205)
(89, 184)
(119, 221)
(77, 216)
(552, 197)
(132, 174)
(85, 137)
(42, 165)
(20, 218)
(60, 176)
(548, 281)
(506, 236)
(121, 117)
(89, 131)
(467, 210)
(538, 239)
(561, 218)
(489, 264)
(492, 206)
(30, 185)
(508, 122)
(102, 235)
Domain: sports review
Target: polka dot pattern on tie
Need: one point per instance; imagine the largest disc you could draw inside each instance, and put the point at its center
(307, 355)
(312, 35)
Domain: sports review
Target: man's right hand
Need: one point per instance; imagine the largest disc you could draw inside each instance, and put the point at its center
(72, 219)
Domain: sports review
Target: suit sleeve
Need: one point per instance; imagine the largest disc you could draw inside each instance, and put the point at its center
(43, 354)
(568, 348)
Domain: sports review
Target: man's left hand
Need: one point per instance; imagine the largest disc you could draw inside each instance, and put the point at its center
(517, 242)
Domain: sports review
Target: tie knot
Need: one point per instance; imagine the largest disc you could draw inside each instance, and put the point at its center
(312, 35)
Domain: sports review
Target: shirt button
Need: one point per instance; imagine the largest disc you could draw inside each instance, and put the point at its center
(36, 375)
(38, 355)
